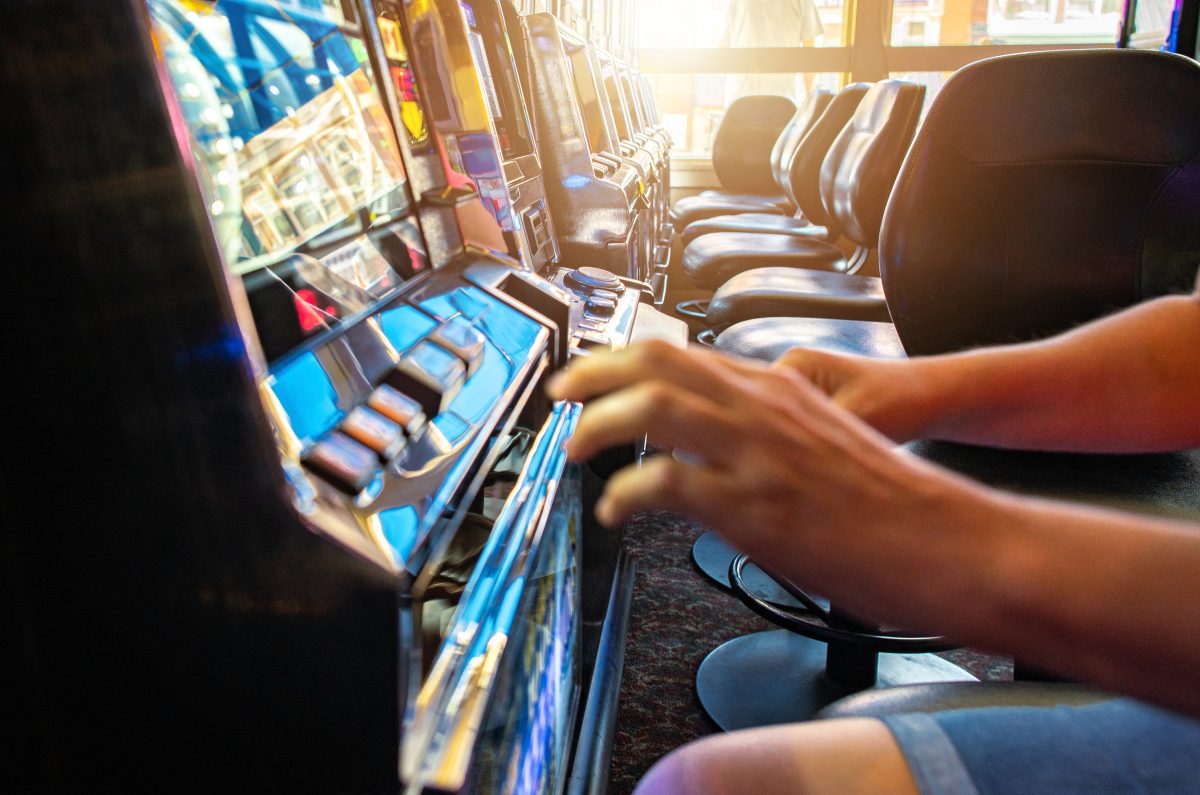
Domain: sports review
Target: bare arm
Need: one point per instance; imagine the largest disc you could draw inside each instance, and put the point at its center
(789, 477)
(1128, 383)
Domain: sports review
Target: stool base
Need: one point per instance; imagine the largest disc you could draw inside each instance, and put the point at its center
(775, 677)
(713, 556)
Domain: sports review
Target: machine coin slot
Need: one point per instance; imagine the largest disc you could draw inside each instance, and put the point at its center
(375, 431)
(429, 374)
(399, 408)
(343, 462)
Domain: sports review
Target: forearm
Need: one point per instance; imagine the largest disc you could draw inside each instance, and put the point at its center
(1099, 596)
(799, 484)
(1129, 383)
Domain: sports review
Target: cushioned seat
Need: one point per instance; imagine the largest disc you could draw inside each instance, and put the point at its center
(1029, 205)
(770, 292)
(755, 223)
(946, 696)
(777, 200)
(857, 174)
(802, 181)
(768, 338)
(691, 209)
(736, 168)
(713, 259)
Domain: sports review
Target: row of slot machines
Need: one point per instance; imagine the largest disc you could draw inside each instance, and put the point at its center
(295, 511)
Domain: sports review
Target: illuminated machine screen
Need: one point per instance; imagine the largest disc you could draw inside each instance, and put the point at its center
(494, 62)
(586, 95)
(296, 156)
(608, 74)
(631, 100)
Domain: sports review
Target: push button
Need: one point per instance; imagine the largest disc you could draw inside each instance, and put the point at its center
(588, 280)
(374, 431)
(343, 462)
(429, 374)
(601, 307)
(400, 409)
(463, 340)
(591, 324)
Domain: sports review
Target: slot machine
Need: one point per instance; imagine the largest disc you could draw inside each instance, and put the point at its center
(477, 117)
(639, 89)
(472, 42)
(652, 163)
(304, 519)
(601, 209)
(630, 130)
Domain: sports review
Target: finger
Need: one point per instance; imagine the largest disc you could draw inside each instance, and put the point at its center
(663, 482)
(690, 368)
(671, 417)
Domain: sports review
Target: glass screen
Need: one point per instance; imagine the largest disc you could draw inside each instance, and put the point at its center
(586, 96)
(494, 62)
(296, 157)
(608, 74)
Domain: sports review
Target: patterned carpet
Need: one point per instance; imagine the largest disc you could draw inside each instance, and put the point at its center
(678, 617)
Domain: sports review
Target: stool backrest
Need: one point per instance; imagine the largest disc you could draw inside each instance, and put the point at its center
(861, 166)
(804, 172)
(789, 140)
(747, 135)
(1045, 190)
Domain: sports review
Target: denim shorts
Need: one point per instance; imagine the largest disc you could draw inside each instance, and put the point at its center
(1112, 747)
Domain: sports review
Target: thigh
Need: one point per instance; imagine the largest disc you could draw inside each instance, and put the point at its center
(842, 756)
(1115, 747)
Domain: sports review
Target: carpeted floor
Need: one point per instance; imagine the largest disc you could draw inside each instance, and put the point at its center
(678, 617)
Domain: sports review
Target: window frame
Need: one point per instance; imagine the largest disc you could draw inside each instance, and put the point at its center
(867, 56)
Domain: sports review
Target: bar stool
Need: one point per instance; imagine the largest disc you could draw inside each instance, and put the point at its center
(802, 182)
(819, 656)
(856, 177)
(1032, 200)
(752, 182)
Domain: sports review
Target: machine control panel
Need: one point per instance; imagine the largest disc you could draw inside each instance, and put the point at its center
(384, 419)
(589, 280)
(610, 306)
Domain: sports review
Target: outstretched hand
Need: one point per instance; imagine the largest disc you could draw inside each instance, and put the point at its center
(763, 454)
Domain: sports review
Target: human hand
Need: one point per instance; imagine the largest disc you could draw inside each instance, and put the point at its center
(771, 463)
(896, 397)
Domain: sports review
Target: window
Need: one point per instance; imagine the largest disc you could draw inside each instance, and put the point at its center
(790, 46)
(926, 23)
(742, 23)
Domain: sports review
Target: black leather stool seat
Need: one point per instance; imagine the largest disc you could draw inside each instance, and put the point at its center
(697, 208)
(768, 338)
(946, 696)
(755, 223)
(712, 260)
(775, 200)
(795, 292)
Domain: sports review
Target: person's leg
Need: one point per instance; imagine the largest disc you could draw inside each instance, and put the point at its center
(842, 756)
